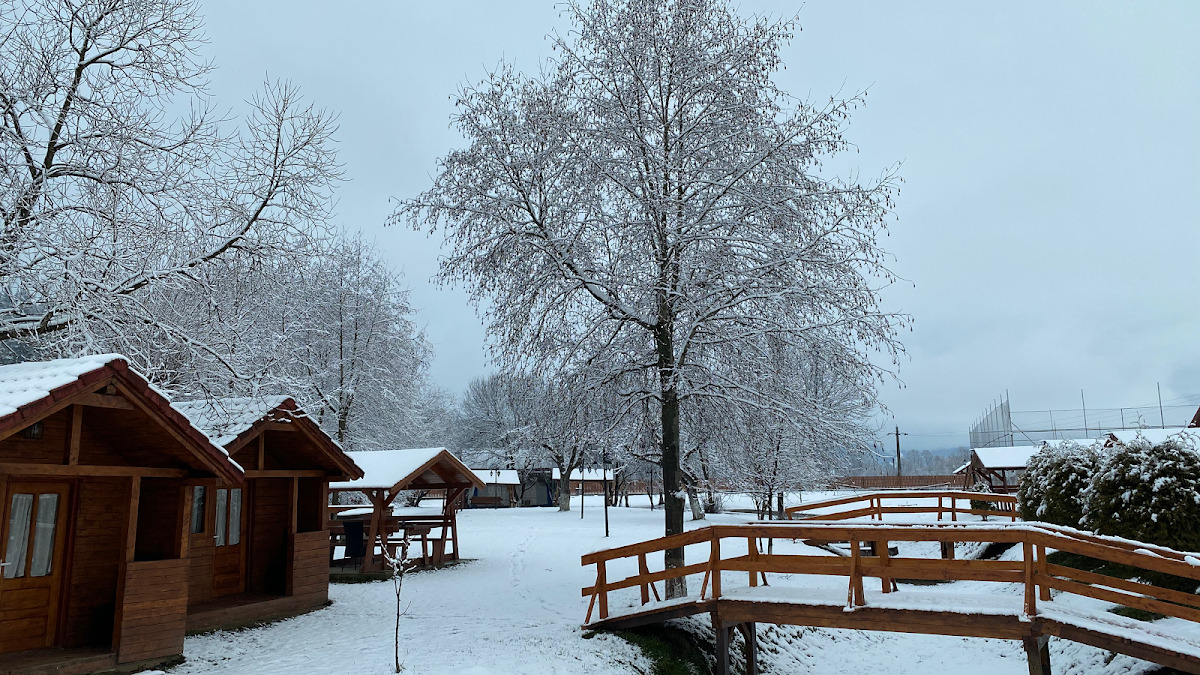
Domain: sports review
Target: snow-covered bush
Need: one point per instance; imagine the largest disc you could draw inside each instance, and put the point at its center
(981, 504)
(1054, 481)
(1148, 492)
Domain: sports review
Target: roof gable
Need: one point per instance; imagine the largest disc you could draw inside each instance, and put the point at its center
(423, 468)
(32, 391)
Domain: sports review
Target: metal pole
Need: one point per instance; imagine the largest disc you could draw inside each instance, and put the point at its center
(1084, 401)
(603, 465)
(1161, 420)
(582, 482)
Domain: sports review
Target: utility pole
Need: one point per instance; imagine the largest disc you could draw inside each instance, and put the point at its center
(1162, 421)
(899, 470)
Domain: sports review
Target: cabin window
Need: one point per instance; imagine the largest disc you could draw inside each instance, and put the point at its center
(34, 431)
(235, 516)
(198, 494)
(18, 535)
(229, 517)
(21, 517)
(222, 496)
(43, 535)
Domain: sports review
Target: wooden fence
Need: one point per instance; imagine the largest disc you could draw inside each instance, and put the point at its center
(950, 480)
(874, 505)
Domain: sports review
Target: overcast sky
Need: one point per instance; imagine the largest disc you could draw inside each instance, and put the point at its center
(1048, 225)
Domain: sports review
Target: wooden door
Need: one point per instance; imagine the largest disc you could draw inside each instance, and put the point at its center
(32, 544)
(229, 557)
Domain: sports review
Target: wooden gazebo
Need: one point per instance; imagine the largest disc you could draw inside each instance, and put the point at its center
(386, 474)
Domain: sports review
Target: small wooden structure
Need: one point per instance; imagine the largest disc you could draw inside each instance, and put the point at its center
(590, 481)
(258, 549)
(499, 491)
(386, 474)
(95, 473)
(1001, 467)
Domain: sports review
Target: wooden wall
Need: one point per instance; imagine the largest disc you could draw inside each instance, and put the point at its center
(49, 449)
(153, 616)
(271, 517)
(201, 547)
(103, 505)
(310, 566)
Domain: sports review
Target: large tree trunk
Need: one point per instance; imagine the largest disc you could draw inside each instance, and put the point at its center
(564, 491)
(673, 558)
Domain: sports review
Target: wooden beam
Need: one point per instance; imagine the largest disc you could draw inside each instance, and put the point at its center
(104, 401)
(262, 452)
(73, 434)
(31, 469)
(286, 473)
(279, 426)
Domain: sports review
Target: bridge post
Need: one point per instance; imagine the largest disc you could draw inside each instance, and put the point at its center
(1037, 651)
(722, 645)
(750, 633)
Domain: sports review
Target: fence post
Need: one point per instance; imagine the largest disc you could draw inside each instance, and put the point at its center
(602, 588)
(855, 595)
(1030, 586)
(714, 564)
(752, 552)
(1043, 589)
(643, 571)
(881, 549)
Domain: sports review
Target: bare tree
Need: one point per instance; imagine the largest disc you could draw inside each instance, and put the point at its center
(652, 197)
(110, 203)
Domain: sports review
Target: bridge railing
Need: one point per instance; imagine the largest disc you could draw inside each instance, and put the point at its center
(876, 504)
(1034, 571)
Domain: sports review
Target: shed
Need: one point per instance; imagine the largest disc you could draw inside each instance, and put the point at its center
(386, 474)
(501, 488)
(1001, 467)
(259, 549)
(95, 469)
(590, 481)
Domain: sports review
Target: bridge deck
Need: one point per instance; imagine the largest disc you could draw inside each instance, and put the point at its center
(1168, 642)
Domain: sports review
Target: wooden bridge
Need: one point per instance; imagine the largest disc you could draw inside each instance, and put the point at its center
(1055, 600)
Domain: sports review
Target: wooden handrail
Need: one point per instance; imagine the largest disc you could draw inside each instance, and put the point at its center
(1037, 575)
(875, 509)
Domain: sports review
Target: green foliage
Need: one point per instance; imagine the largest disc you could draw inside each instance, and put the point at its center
(1148, 493)
(670, 650)
(980, 504)
(1052, 487)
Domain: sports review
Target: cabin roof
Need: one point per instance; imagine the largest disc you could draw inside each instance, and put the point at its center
(413, 468)
(587, 475)
(231, 422)
(32, 390)
(1156, 436)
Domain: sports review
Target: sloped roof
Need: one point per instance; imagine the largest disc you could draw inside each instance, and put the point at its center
(1156, 436)
(224, 419)
(588, 475)
(34, 389)
(232, 421)
(397, 469)
(498, 476)
(1017, 456)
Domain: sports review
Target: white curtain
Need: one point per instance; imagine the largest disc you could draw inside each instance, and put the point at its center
(222, 495)
(43, 535)
(235, 516)
(18, 535)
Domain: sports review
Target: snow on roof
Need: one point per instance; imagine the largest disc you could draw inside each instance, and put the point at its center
(588, 475)
(24, 383)
(498, 476)
(1156, 436)
(224, 419)
(382, 469)
(1011, 457)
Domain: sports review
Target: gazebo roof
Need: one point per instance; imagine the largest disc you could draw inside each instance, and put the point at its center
(411, 469)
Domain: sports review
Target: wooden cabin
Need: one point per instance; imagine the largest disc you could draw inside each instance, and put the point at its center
(258, 549)
(387, 474)
(96, 476)
(501, 489)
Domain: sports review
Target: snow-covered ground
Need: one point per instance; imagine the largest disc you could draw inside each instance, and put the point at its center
(515, 607)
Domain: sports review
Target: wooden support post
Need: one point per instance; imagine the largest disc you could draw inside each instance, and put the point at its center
(602, 588)
(127, 556)
(954, 508)
(722, 646)
(854, 594)
(947, 550)
(1043, 589)
(939, 508)
(1030, 586)
(262, 452)
(752, 553)
(881, 548)
(714, 564)
(643, 572)
(750, 649)
(73, 435)
(1037, 651)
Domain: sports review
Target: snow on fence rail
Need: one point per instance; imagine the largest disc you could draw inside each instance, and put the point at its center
(872, 505)
(1034, 571)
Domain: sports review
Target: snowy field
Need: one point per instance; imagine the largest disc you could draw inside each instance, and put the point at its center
(515, 607)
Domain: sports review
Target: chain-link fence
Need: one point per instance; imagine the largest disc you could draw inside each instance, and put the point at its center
(1002, 426)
